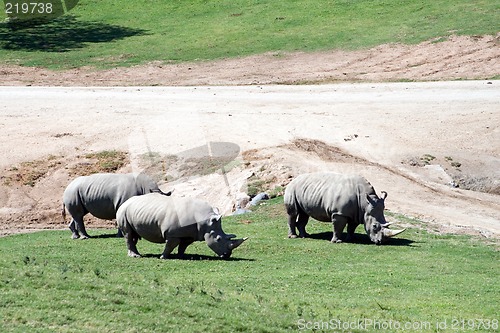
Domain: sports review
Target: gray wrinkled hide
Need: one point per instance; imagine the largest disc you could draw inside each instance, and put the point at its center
(101, 195)
(329, 197)
(175, 222)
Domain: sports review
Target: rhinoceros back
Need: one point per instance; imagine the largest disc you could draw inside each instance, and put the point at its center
(321, 195)
(156, 217)
(100, 194)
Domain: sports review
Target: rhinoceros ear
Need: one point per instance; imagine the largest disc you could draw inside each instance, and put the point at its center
(216, 211)
(161, 192)
(371, 201)
(384, 194)
(213, 219)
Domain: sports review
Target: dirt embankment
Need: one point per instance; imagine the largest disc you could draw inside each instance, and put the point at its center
(456, 57)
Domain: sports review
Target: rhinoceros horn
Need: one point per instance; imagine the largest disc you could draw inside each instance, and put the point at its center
(234, 244)
(391, 233)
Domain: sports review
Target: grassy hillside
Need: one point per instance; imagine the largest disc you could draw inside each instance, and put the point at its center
(114, 33)
(49, 283)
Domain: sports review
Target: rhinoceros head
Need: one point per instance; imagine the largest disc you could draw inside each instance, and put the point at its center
(221, 243)
(145, 184)
(375, 224)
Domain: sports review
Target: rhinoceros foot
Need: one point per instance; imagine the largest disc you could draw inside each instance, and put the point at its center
(336, 240)
(84, 237)
(75, 236)
(292, 236)
(133, 254)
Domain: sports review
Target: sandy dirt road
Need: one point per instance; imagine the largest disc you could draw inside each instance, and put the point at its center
(384, 129)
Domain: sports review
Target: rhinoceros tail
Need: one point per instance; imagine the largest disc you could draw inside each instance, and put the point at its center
(63, 212)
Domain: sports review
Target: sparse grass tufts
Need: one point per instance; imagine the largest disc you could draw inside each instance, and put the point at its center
(31, 172)
(427, 158)
(107, 160)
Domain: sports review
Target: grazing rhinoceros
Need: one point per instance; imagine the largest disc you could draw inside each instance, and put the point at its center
(101, 195)
(174, 221)
(341, 199)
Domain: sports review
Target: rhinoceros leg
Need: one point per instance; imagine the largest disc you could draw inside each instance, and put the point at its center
(81, 228)
(351, 227)
(292, 219)
(74, 231)
(77, 212)
(76, 226)
(185, 242)
(339, 223)
(301, 225)
(131, 238)
(170, 245)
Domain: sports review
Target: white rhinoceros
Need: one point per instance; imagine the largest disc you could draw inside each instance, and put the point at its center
(175, 222)
(341, 199)
(101, 195)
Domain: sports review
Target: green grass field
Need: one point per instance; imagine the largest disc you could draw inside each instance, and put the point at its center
(51, 283)
(116, 33)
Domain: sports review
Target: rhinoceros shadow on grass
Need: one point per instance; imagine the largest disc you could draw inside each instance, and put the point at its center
(193, 257)
(104, 236)
(364, 239)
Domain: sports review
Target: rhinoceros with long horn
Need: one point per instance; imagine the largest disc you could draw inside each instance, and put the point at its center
(341, 199)
(101, 195)
(175, 222)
